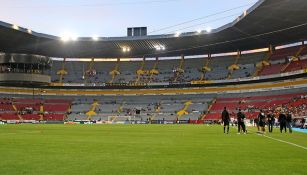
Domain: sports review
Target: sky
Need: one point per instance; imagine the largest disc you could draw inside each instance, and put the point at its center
(109, 18)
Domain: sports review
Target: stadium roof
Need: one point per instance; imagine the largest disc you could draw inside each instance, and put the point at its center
(266, 22)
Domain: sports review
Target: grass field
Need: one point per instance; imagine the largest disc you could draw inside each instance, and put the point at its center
(146, 149)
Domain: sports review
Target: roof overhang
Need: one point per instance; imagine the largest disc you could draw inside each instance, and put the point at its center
(267, 22)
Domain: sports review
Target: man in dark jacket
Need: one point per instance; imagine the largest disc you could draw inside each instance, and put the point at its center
(241, 124)
(289, 121)
(261, 120)
(282, 121)
(271, 121)
(256, 122)
(225, 119)
(303, 123)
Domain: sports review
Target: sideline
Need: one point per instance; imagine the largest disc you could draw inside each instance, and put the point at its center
(290, 143)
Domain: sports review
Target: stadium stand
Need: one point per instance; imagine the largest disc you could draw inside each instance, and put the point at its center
(192, 68)
(151, 107)
(33, 109)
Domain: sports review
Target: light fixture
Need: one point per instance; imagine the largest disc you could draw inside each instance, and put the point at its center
(16, 27)
(74, 38)
(245, 13)
(65, 38)
(69, 37)
(159, 47)
(208, 29)
(95, 38)
(29, 31)
(126, 49)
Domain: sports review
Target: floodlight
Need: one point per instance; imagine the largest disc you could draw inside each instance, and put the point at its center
(95, 38)
(177, 34)
(16, 27)
(208, 29)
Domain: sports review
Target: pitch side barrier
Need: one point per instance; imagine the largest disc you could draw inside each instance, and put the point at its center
(212, 83)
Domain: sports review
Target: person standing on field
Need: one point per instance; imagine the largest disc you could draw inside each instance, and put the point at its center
(282, 121)
(256, 122)
(271, 121)
(225, 119)
(261, 119)
(289, 121)
(241, 124)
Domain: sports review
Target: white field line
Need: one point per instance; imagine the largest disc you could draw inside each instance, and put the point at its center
(290, 143)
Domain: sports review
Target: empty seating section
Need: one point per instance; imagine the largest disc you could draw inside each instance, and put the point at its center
(272, 69)
(61, 101)
(296, 65)
(23, 106)
(6, 107)
(192, 68)
(154, 107)
(54, 117)
(245, 70)
(9, 116)
(279, 61)
(251, 58)
(31, 117)
(213, 116)
(33, 109)
(282, 54)
(56, 107)
(166, 70)
(219, 67)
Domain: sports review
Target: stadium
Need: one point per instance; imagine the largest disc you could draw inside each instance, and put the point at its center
(154, 104)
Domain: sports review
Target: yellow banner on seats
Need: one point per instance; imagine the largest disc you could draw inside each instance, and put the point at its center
(201, 82)
(56, 84)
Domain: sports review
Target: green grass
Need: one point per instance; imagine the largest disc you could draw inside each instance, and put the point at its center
(146, 149)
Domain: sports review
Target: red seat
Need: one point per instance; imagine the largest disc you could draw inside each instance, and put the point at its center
(271, 69)
(6, 107)
(284, 53)
(9, 116)
(213, 116)
(56, 107)
(31, 117)
(58, 117)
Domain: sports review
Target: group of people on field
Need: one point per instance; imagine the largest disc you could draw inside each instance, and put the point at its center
(284, 119)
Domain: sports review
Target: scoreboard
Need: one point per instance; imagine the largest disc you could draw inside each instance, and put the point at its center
(137, 31)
